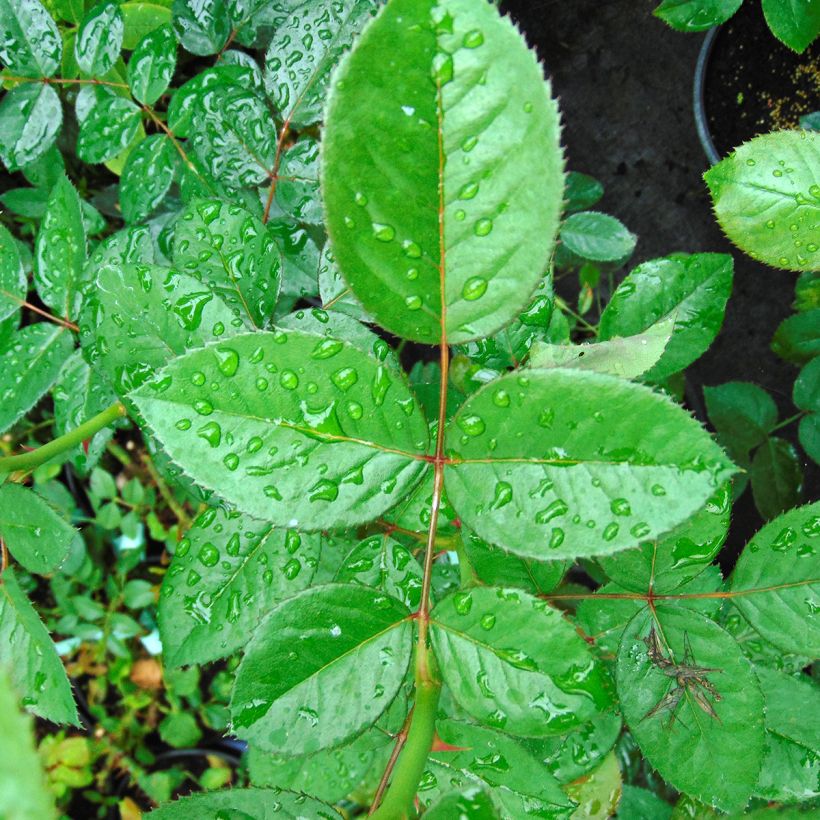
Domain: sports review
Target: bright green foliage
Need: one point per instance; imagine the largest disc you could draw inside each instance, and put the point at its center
(12, 276)
(598, 237)
(30, 44)
(240, 804)
(202, 28)
(807, 397)
(454, 241)
(696, 15)
(24, 792)
(767, 198)
(341, 652)
(152, 65)
(794, 22)
(108, 129)
(30, 117)
(692, 290)
(612, 464)
(778, 561)
(582, 192)
(99, 38)
(30, 657)
(147, 176)
(693, 750)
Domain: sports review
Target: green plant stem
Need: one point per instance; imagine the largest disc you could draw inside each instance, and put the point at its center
(29, 461)
(165, 491)
(577, 316)
(410, 767)
(788, 421)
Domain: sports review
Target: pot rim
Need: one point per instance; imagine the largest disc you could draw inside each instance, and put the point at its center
(699, 104)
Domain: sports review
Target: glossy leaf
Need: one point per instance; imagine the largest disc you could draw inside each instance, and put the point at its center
(777, 477)
(30, 44)
(108, 129)
(202, 28)
(297, 186)
(454, 240)
(234, 253)
(582, 192)
(514, 663)
(13, 285)
(334, 292)
(38, 538)
(27, 652)
(779, 579)
(598, 237)
(331, 442)
(794, 22)
(99, 38)
(613, 464)
(807, 397)
(341, 652)
(308, 43)
(643, 804)
(767, 198)
(697, 753)
(742, 413)
(141, 316)
(147, 177)
(226, 575)
(30, 117)
(30, 362)
(152, 65)
(598, 794)
(691, 289)
(471, 802)
(628, 357)
(25, 792)
(797, 338)
(141, 18)
(61, 251)
(244, 804)
(696, 15)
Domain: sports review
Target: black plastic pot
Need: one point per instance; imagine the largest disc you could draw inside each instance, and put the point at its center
(699, 97)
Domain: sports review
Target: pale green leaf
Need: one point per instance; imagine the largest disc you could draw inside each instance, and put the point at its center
(692, 290)
(202, 28)
(777, 574)
(302, 431)
(451, 241)
(597, 237)
(27, 652)
(227, 573)
(514, 663)
(30, 361)
(60, 251)
(99, 38)
(147, 177)
(24, 791)
(612, 464)
(234, 253)
(141, 19)
(152, 64)
(599, 793)
(794, 22)
(30, 117)
(766, 196)
(30, 44)
(340, 653)
(245, 804)
(696, 15)
(696, 752)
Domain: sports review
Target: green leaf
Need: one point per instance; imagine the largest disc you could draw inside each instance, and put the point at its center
(30, 362)
(627, 357)
(597, 795)
(344, 427)
(520, 784)
(742, 413)
(245, 804)
(612, 464)
(226, 575)
(596, 236)
(335, 293)
(340, 651)
(452, 242)
(180, 730)
(796, 23)
(807, 387)
(99, 38)
(696, 15)
(298, 63)
(384, 564)
(767, 198)
(13, 284)
(642, 804)
(797, 338)
(147, 177)
(202, 28)
(234, 253)
(297, 186)
(38, 538)
(513, 662)
(141, 19)
(471, 802)
(778, 579)
(30, 44)
(61, 251)
(140, 316)
(777, 477)
(678, 557)
(24, 791)
(697, 753)
(690, 289)
(27, 652)
(108, 129)
(582, 192)
(809, 434)
(30, 117)
(791, 768)
(152, 64)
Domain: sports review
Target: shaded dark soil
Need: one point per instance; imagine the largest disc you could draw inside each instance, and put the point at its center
(755, 84)
(624, 81)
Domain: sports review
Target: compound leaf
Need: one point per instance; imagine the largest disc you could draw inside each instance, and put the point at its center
(453, 240)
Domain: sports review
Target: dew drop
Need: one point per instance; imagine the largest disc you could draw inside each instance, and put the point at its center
(473, 39)
(413, 302)
(384, 233)
(483, 227)
(288, 379)
(474, 288)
